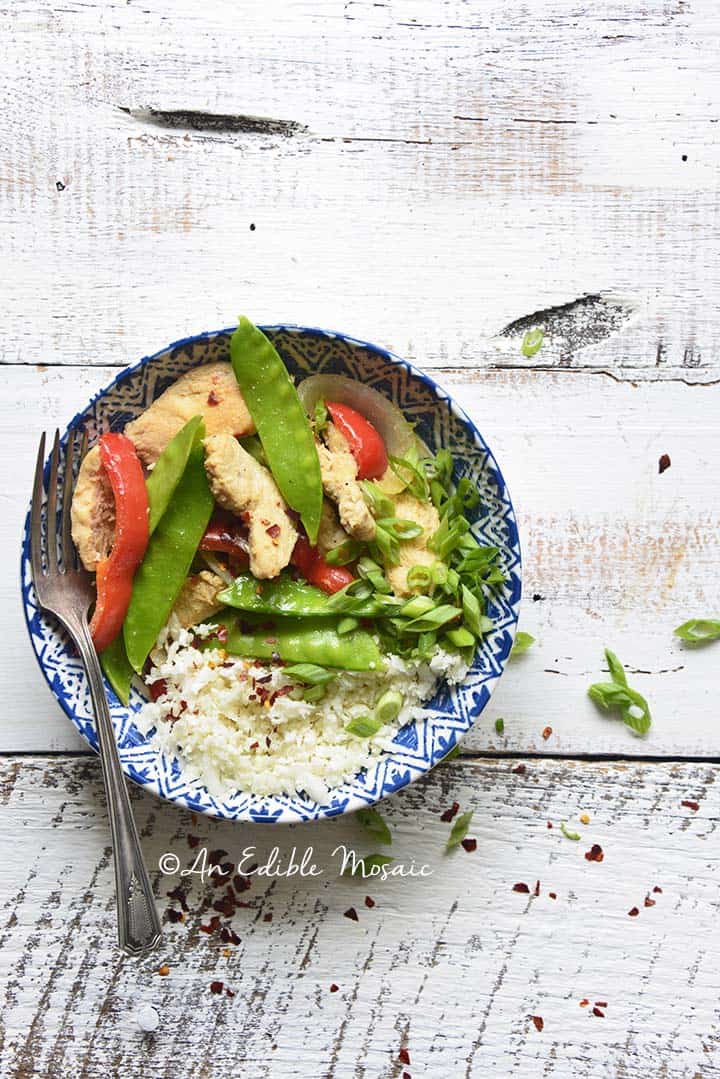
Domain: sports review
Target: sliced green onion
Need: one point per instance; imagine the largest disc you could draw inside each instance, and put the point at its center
(617, 671)
(699, 630)
(435, 618)
(378, 502)
(371, 571)
(532, 342)
(472, 614)
(399, 528)
(363, 726)
(309, 673)
(343, 553)
(385, 547)
(426, 646)
(320, 416)
(523, 641)
(375, 825)
(388, 707)
(440, 574)
(460, 637)
(419, 578)
(569, 835)
(417, 606)
(459, 830)
(313, 694)
(500, 725)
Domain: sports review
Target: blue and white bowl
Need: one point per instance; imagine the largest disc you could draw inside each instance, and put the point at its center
(418, 746)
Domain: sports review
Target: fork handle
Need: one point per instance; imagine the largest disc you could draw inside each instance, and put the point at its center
(138, 923)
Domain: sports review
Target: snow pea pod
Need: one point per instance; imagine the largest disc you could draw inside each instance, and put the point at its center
(117, 669)
(284, 596)
(300, 640)
(168, 557)
(169, 469)
(281, 423)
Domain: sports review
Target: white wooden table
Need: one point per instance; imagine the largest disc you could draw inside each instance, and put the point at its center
(425, 173)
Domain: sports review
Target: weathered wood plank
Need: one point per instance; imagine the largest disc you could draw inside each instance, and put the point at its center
(451, 967)
(619, 554)
(446, 160)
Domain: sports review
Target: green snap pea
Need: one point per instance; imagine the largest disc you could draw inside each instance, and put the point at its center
(300, 640)
(117, 668)
(284, 596)
(168, 557)
(168, 470)
(281, 423)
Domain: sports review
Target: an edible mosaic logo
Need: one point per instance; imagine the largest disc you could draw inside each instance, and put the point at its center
(294, 863)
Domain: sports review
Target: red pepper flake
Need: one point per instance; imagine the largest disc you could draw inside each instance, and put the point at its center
(536, 889)
(584, 1002)
(521, 888)
(222, 634)
(370, 903)
(175, 916)
(547, 731)
(229, 992)
(158, 689)
(228, 935)
(598, 1013)
(650, 902)
(240, 884)
(549, 824)
(193, 841)
(215, 857)
(273, 531)
(164, 970)
(282, 692)
(690, 805)
(226, 905)
(212, 398)
(553, 895)
(469, 845)
(448, 815)
(538, 1021)
(404, 1056)
(633, 912)
(351, 913)
(216, 987)
(601, 1004)
(595, 854)
(212, 926)
(334, 988)
(664, 463)
(255, 745)
(268, 917)
(520, 769)
(657, 890)
(178, 894)
(406, 1075)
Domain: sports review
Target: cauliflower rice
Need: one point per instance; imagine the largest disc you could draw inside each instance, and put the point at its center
(234, 723)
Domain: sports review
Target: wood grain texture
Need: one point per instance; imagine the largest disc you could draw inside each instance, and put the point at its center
(451, 967)
(619, 554)
(453, 167)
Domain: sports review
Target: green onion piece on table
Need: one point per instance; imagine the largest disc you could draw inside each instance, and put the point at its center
(699, 630)
(617, 694)
(281, 423)
(522, 642)
(575, 836)
(532, 342)
(459, 829)
(374, 824)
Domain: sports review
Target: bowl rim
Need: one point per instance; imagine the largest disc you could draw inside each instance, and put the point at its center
(354, 801)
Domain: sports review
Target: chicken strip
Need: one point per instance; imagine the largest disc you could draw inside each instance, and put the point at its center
(331, 533)
(198, 598)
(338, 469)
(92, 512)
(413, 552)
(240, 484)
(211, 391)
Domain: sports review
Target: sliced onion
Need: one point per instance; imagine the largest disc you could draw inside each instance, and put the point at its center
(386, 418)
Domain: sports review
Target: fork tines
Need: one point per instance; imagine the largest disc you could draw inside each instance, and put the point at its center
(47, 556)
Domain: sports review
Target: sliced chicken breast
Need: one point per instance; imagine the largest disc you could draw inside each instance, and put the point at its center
(198, 598)
(240, 484)
(92, 512)
(413, 552)
(338, 469)
(211, 391)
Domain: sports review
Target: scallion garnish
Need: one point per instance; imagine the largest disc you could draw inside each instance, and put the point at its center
(632, 705)
(309, 673)
(500, 725)
(523, 641)
(569, 835)
(532, 342)
(363, 726)
(375, 825)
(699, 630)
(459, 830)
(388, 707)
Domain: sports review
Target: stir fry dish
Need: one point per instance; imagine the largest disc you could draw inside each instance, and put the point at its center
(288, 570)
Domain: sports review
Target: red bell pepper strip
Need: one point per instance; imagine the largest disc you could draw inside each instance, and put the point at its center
(315, 569)
(366, 445)
(114, 575)
(225, 533)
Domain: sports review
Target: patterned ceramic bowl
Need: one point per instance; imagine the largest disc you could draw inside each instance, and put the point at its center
(418, 746)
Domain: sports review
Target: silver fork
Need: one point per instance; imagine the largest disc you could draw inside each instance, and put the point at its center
(63, 587)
